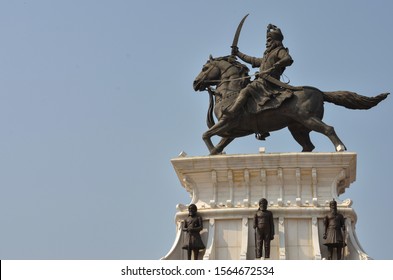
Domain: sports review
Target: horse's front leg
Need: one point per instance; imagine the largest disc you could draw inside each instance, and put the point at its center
(207, 139)
(219, 127)
(223, 143)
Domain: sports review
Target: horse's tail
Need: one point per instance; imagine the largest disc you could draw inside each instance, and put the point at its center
(352, 100)
(209, 118)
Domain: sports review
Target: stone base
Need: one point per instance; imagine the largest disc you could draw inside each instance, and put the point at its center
(298, 186)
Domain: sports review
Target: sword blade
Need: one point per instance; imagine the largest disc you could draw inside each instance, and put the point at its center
(237, 34)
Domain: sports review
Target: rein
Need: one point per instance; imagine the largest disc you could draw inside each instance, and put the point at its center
(234, 79)
(220, 82)
(227, 80)
(213, 91)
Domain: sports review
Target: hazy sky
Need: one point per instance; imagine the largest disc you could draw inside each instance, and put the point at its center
(96, 98)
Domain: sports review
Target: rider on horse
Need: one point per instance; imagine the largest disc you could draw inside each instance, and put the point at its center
(266, 85)
(236, 102)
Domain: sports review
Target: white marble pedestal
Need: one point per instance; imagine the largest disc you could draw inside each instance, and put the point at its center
(298, 186)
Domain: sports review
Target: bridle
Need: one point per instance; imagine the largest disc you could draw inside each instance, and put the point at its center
(222, 73)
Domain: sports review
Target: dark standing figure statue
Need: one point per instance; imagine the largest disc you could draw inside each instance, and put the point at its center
(264, 229)
(334, 228)
(273, 63)
(193, 225)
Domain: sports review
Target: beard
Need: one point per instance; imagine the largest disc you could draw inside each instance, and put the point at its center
(271, 46)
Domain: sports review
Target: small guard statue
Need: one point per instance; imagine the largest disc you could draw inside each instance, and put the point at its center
(334, 231)
(264, 229)
(193, 225)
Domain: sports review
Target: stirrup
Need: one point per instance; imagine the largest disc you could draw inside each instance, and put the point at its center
(262, 136)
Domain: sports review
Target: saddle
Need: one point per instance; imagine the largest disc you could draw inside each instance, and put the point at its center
(274, 93)
(258, 102)
(264, 94)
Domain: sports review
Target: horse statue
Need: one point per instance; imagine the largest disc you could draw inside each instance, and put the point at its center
(301, 113)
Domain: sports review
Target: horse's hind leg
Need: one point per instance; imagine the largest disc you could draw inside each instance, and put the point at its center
(318, 125)
(302, 135)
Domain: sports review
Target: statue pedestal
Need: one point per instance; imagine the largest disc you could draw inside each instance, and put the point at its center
(298, 187)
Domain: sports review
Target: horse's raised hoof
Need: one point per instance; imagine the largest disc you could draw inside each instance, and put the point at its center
(341, 148)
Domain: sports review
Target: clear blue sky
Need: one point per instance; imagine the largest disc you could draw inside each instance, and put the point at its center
(96, 97)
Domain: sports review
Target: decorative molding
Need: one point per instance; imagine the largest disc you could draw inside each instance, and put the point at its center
(342, 184)
(281, 186)
(246, 201)
(230, 201)
(281, 237)
(338, 185)
(346, 203)
(181, 207)
(314, 186)
(351, 235)
(315, 238)
(189, 185)
(209, 252)
(298, 187)
(213, 202)
(244, 239)
(263, 180)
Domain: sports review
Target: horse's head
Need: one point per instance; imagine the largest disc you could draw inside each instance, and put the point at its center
(216, 70)
(209, 76)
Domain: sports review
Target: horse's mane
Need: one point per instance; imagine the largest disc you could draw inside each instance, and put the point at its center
(242, 68)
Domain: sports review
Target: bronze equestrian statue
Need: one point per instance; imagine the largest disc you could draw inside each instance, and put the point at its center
(244, 107)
